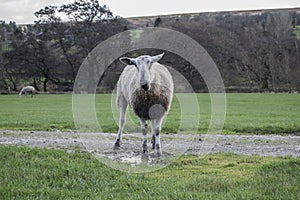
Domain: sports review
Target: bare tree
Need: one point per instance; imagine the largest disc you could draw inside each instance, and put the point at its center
(88, 24)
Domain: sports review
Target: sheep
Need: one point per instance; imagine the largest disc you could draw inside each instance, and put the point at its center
(27, 89)
(147, 87)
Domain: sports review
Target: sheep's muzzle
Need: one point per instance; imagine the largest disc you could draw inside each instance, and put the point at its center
(145, 87)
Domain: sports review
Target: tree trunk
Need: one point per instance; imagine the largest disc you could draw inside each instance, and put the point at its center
(45, 84)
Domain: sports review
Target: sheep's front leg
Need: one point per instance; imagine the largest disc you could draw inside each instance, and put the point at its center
(121, 125)
(144, 128)
(156, 128)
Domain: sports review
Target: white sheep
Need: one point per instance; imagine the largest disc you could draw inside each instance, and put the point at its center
(147, 87)
(27, 89)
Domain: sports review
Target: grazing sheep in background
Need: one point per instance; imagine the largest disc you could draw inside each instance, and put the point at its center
(27, 89)
(147, 87)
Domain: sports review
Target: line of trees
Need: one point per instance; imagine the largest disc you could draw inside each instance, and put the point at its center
(49, 53)
(255, 51)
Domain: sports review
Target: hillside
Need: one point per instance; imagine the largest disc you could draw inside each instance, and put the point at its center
(255, 51)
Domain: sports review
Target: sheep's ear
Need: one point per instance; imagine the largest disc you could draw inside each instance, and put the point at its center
(156, 58)
(126, 61)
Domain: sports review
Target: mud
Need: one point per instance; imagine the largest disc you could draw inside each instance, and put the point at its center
(173, 145)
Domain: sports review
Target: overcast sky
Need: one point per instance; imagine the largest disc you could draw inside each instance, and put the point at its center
(21, 11)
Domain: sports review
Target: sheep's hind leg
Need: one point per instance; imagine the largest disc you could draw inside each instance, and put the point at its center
(144, 128)
(156, 128)
(153, 134)
(121, 125)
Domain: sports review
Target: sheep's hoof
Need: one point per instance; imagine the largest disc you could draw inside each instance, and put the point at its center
(158, 153)
(117, 144)
(145, 156)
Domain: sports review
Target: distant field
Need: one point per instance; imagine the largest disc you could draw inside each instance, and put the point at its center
(246, 113)
(27, 173)
(297, 31)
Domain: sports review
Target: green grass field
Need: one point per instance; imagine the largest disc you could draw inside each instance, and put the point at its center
(297, 31)
(246, 113)
(52, 174)
(33, 173)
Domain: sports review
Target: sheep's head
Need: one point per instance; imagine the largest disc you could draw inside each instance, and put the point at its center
(143, 64)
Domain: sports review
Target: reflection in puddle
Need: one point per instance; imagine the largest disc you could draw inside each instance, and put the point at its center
(133, 161)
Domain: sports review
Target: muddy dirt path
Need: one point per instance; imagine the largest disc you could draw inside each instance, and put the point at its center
(102, 143)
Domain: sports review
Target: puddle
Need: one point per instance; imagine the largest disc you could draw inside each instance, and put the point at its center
(133, 161)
